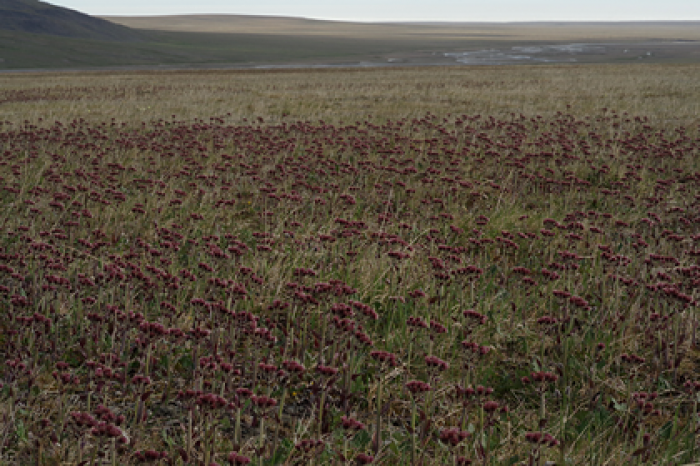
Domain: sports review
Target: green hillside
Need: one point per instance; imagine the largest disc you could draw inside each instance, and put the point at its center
(35, 17)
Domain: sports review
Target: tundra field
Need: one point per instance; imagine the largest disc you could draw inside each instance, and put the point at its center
(486, 266)
(211, 41)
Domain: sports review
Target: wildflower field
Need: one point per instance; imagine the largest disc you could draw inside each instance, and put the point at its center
(491, 266)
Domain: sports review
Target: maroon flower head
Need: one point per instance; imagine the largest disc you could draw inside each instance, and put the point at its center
(384, 357)
(453, 435)
(363, 458)
(490, 406)
(439, 364)
(236, 459)
(417, 387)
(326, 370)
(352, 424)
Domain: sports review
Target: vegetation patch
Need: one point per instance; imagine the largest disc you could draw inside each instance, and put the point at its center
(460, 288)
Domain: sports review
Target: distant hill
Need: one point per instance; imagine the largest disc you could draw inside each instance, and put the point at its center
(36, 17)
(515, 31)
(35, 34)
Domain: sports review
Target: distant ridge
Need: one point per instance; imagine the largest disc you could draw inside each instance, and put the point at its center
(468, 30)
(36, 17)
(35, 34)
(630, 23)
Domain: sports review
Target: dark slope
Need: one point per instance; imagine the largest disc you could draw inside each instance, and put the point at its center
(35, 17)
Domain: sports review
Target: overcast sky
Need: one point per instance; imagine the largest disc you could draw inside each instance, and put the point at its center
(402, 10)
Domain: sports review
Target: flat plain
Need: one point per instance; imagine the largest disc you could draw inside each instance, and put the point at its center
(218, 41)
(430, 265)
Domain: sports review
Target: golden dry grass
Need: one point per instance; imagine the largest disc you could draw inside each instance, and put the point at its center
(665, 93)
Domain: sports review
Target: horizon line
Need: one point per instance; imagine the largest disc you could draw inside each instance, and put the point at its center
(417, 21)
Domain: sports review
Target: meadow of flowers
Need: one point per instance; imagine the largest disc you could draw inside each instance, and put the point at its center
(441, 289)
